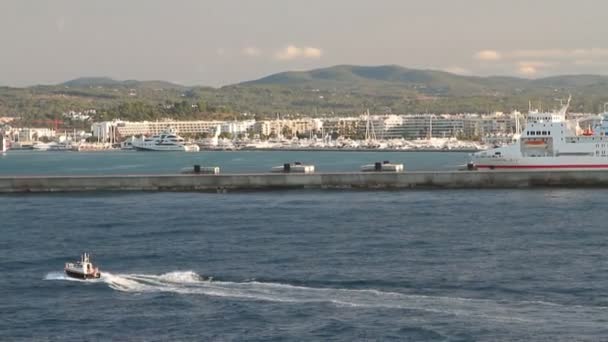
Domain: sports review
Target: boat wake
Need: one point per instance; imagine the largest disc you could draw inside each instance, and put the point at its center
(190, 283)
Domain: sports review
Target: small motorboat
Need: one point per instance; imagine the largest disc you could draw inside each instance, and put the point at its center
(296, 167)
(385, 166)
(83, 269)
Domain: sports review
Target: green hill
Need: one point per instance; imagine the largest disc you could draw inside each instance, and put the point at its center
(92, 82)
(337, 90)
(404, 90)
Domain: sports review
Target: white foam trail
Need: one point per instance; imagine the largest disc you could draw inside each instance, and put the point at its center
(188, 282)
(62, 276)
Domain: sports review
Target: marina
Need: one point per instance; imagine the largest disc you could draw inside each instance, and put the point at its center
(278, 170)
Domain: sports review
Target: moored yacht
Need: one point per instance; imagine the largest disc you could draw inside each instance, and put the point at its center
(83, 269)
(53, 146)
(168, 140)
(550, 142)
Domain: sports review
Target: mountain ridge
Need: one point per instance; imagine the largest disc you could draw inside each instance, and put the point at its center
(337, 90)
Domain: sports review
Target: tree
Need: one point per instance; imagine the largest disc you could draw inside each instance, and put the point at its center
(202, 106)
(225, 135)
(286, 132)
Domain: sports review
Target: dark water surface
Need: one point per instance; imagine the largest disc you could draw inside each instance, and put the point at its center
(131, 162)
(461, 265)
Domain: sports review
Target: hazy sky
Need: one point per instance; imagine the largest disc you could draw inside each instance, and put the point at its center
(221, 42)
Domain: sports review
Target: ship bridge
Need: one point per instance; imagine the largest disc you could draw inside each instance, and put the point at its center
(537, 117)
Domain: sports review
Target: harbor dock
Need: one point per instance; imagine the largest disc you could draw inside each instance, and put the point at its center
(263, 181)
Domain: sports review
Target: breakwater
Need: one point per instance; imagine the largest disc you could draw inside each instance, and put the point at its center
(260, 182)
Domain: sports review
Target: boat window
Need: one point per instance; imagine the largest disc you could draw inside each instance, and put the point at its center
(537, 132)
(532, 133)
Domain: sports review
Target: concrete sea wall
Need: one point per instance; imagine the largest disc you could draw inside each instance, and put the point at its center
(254, 182)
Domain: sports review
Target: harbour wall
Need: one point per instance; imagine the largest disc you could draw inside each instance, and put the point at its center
(260, 182)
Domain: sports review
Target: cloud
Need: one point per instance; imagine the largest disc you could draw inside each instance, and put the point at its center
(488, 55)
(536, 64)
(311, 52)
(573, 56)
(530, 62)
(527, 70)
(530, 68)
(561, 54)
(291, 52)
(252, 51)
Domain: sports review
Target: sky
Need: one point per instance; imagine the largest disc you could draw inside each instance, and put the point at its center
(205, 42)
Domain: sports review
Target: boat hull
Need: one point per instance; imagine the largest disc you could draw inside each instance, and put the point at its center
(80, 275)
(188, 148)
(581, 163)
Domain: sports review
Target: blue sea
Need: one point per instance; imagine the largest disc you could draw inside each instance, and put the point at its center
(132, 162)
(432, 265)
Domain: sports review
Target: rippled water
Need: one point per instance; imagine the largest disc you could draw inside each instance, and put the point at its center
(130, 162)
(460, 265)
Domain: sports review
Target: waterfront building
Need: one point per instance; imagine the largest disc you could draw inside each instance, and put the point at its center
(117, 129)
(34, 134)
(237, 127)
(411, 127)
(281, 127)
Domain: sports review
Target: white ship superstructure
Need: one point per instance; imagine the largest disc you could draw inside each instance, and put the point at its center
(166, 141)
(550, 142)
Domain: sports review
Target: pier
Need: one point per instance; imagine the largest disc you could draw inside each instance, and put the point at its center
(263, 182)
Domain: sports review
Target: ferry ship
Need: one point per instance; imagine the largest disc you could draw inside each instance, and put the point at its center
(550, 142)
(166, 141)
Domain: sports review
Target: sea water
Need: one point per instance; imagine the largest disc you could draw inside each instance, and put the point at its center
(133, 162)
(443, 265)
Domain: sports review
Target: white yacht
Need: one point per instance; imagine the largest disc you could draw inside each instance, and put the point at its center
(550, 142)
(166, 141)
(53, 146)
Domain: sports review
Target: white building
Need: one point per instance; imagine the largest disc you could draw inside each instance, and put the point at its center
(34, 134)
(237, 127)
(117, 130)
